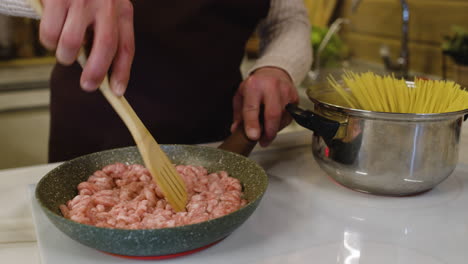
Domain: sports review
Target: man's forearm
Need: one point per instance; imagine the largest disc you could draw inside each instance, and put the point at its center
(285, 39)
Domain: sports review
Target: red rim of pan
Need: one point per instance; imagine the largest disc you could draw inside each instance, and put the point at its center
(169, 256)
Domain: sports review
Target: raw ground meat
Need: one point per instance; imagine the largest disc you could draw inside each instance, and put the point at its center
(125, 196)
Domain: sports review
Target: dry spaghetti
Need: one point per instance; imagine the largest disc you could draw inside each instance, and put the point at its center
(369, 91)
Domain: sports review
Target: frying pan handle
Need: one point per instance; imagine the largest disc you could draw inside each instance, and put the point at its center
(238, 142)
(323, 127)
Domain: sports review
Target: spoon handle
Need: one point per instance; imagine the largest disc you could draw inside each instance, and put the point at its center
(120, 105)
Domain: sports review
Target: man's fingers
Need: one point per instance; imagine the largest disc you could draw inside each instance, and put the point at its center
(251, 108)
(53, 18)
(272, 115)
(125, 51)
(103, 49)
(73, 33)
(237, 102)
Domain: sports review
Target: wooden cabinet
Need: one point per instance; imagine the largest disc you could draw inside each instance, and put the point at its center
(378, 22)
(23, 137)
(24, 112)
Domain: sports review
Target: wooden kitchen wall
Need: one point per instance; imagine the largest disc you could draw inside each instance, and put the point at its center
(378, 22)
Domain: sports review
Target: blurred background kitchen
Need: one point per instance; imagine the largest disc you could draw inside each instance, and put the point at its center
(427, 38)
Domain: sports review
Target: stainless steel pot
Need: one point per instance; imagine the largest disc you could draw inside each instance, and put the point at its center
(381, 153)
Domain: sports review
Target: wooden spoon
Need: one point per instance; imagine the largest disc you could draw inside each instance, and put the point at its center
(156, 161)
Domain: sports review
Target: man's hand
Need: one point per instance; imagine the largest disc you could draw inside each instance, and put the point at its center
(271, 87)
(65, 23)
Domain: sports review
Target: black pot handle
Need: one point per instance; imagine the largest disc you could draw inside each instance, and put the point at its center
(324, 127)
(466, 117)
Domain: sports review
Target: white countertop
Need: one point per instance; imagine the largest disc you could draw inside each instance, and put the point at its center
(303, 217)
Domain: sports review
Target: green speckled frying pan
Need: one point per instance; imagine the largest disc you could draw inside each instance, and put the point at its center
(59, 185)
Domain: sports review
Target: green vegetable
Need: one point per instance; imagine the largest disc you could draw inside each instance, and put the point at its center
(334, 52)
(456, 46)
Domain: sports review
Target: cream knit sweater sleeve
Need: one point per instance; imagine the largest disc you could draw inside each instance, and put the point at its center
(285, 39)
(20, 8)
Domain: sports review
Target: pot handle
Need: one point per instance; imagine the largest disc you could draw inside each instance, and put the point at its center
(322, 126)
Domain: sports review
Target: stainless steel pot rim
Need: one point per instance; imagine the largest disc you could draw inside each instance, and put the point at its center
(390, 116)
(409, 117)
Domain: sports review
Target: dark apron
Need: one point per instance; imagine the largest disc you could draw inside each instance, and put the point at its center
(184, 75)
